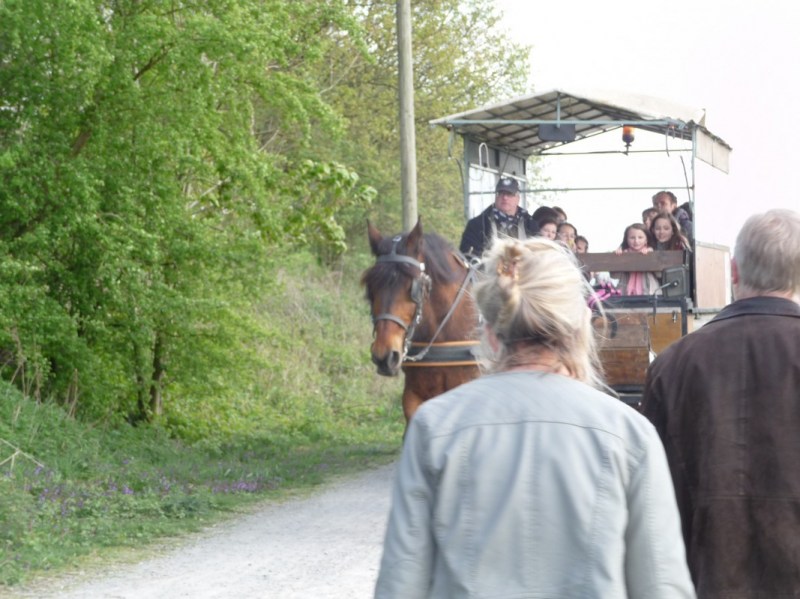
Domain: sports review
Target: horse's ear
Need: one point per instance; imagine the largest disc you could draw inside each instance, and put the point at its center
(414, 240)
(374, 236)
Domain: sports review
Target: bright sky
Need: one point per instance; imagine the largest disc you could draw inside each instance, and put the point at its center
(738, 59)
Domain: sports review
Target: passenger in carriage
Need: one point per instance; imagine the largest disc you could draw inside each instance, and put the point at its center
(637, 239)
(562, 216)
(582, 247)
(648, 215)
(667, 202)
(548, 228)
(530, 481)
(667, 234)
(543, 212)
(505, 217)
(566, 233)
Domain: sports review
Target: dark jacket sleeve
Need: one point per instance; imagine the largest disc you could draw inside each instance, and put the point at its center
(685, 221)
(531, 226)
(473, 240)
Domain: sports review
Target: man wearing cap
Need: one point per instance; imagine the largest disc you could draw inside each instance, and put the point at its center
(504, 217)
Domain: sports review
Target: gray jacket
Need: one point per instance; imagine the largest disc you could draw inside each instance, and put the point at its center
(529, 484)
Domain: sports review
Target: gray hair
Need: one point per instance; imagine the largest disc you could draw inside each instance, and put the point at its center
(767, 253)
(534, 295)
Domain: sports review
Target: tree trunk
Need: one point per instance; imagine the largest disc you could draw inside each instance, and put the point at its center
(159, 370)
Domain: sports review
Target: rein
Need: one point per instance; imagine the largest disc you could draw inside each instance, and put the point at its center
(468, 278)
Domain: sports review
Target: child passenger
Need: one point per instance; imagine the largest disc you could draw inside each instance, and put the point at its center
(648, 214)
(667, 233)
(567, 234)
(636, 239)
(548, 228)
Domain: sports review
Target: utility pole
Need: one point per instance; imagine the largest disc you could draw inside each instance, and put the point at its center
(408, 153)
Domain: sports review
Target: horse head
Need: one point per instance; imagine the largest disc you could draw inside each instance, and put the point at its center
(423, 316)
(397, 287)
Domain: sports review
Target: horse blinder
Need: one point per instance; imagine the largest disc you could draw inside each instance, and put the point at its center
(420, 287)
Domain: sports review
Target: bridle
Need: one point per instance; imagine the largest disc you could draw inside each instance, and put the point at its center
(420, 288)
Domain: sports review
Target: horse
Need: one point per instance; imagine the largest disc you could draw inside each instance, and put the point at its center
(423, 314)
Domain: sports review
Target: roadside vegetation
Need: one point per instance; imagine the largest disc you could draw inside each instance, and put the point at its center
(72, 489)
(183, 196)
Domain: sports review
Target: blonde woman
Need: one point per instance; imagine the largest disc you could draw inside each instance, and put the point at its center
(530, 481)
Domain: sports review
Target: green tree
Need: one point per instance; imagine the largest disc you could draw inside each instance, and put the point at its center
(462, 59)
(137, 193)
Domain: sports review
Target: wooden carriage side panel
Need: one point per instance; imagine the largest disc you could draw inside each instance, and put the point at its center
(625, 366)
(637, 337)
(665, 329)
(713, 276)
(625, 353)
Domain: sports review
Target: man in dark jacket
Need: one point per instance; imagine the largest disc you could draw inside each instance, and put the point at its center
(726, 401)
(504, 217)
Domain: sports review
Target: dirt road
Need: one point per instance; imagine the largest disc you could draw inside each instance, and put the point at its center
(326, 546)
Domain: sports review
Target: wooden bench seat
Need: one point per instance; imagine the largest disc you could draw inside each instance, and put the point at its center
(631, 262)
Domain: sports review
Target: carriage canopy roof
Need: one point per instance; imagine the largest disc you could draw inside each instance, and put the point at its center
(533, 124)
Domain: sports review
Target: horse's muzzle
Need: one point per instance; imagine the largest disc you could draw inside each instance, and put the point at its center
(389, 364)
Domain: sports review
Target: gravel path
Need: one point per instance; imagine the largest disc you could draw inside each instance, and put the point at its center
(326, 546)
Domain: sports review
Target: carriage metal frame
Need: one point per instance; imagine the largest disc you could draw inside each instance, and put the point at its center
(500, 138)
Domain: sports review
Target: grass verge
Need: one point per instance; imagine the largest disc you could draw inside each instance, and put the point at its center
(88, 490)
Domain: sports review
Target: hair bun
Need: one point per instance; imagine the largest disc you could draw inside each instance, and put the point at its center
(508, 264)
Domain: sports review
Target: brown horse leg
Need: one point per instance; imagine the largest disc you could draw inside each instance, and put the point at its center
(411, 401)
(422, 384)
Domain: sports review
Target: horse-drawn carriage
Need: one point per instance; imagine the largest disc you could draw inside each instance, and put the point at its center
(499, 140)
(695, 284)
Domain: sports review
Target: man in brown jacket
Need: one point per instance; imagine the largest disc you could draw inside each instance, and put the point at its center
(726, 403)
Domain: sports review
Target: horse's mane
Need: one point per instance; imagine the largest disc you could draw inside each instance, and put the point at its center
(436, 251)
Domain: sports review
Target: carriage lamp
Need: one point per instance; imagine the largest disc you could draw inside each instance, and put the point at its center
(627, 136)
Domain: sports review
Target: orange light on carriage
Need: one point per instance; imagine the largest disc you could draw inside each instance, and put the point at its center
(627, 136)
